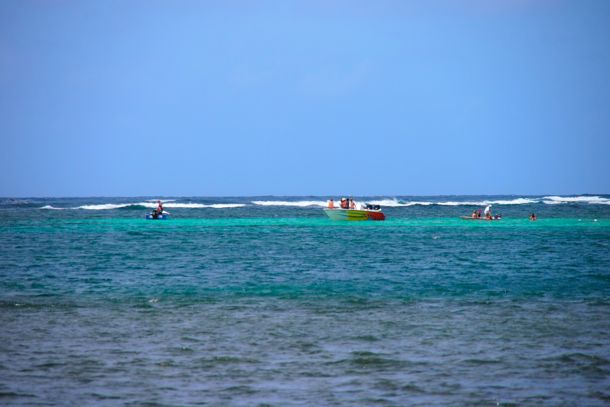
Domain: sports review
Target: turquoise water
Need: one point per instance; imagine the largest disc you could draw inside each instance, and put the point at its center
(264, 301)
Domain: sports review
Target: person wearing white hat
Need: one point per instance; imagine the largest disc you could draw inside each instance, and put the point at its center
(487, 212)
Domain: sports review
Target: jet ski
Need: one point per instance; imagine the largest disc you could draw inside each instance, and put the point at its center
(154, 215)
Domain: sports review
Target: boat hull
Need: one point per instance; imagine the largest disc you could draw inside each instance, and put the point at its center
(471, 218)
(353, 214)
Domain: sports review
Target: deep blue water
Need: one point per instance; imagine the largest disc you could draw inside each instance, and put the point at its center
(264, 301)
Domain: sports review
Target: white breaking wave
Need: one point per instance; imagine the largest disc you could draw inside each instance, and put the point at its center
(383, 202)
(555, 200)
(189, 205)
(401, 203)
(101, 207)
(463, 203)
(395, 203)
(179, 205)
(221, 206)
(516, 201)
(149, 204)
(291, 203)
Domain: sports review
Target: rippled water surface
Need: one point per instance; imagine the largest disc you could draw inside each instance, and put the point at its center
(240, 301)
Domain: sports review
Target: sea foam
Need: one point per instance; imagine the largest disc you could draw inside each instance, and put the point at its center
(395, 203)
(149, 204)
(101, 207)
(402, 203)
(192, 205)
(516, 201)
(225, 205)
(554, 200)
(290, 203)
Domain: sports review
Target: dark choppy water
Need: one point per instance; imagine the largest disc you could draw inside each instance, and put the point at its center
(247, 301)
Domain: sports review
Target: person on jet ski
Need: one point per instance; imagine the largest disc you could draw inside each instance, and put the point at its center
(158, 211)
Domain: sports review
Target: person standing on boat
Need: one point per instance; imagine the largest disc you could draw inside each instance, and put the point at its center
(352, 204)
(487, 212)
(331, 204)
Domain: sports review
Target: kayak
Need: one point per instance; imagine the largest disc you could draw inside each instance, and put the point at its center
(354, 214)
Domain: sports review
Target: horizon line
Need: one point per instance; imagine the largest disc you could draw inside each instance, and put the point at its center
(294, 196)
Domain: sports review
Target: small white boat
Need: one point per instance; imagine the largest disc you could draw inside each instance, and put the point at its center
(481, 218)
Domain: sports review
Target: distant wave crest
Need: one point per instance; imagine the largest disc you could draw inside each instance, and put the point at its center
(225, 205)
(290, 203)
(516, 201)
(402, 203)
(101, 207)
(317, 203)
(148, 205)
(395, 202)
(555, 200)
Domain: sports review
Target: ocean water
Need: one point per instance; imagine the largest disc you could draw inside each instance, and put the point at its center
(264, 301)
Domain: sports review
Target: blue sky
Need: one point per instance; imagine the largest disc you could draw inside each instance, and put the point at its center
(124, 98)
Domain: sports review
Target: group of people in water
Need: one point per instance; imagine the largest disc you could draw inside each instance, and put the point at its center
(476, 214)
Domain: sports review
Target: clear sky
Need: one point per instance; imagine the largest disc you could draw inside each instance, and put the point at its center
(124, 98)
